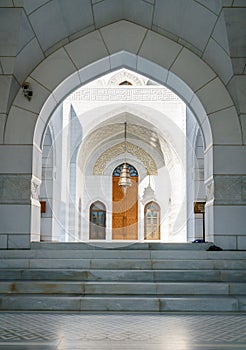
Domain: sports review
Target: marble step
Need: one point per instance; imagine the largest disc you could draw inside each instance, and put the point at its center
(125, 304)
(128, 245)
(122, 288)
(122, 254)
(129, 264)
(124, 275)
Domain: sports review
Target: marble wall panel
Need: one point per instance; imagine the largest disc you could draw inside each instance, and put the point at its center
(237, 88)
(48, 23)
(15, 218)
(19, 241)
(15, 188)
(187, 19)
(242, 242)
(220, 32)
(214, 96)
(229, 219)
(16, 159)
(230, 133)
(61, 66)
(3, 241)
(229, 160)
(2, 125)
(20, 126)
(10, 20)
(192, 69)
(230, 189)
(109, 11)
(5, 85)
(159, 49)
(92, 44)
(123, 35)
(216, 56)
(226, 242)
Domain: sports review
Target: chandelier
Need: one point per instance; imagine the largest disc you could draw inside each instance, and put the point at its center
(125, 178)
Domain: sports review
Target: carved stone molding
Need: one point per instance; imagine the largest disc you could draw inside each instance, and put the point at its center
(118, 149)
(35, 184)
(210, 191)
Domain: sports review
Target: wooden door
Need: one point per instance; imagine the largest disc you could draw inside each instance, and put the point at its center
(125, 210)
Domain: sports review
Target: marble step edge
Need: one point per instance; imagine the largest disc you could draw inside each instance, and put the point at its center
(115, 264)
(168, 304)
(124, 275)
(133, 288)
(122, 254)
(129, 245)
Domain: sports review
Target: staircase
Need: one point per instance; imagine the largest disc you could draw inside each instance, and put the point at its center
(142, 277)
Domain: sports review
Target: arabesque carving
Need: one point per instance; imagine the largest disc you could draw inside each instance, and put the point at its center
(118, 149)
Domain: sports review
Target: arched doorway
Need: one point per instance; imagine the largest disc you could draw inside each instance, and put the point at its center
(97, 220)
(125, 206)
(158, 57)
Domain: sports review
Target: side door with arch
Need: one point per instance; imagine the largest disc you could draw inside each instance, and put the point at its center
(152, 215)
(97, 221)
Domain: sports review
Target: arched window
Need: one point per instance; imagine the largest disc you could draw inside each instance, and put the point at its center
(132, 170)
(97, 220)
(152, 221)
(125, 82)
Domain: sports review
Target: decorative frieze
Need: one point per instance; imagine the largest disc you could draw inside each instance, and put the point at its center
(118, 78)
(124, 94)
(118, 149)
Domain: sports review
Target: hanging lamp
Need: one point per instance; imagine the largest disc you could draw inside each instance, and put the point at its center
(125, 178)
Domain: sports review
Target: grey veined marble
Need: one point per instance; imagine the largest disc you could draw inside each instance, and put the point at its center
(66, 331)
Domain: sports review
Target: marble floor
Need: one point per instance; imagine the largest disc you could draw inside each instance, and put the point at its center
(77, 331)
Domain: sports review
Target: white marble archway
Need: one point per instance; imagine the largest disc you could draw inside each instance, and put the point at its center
(152, 55)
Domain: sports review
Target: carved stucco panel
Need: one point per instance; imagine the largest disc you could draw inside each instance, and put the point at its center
(118, 149)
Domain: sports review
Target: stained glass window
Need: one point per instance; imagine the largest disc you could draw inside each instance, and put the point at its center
(132, 170)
